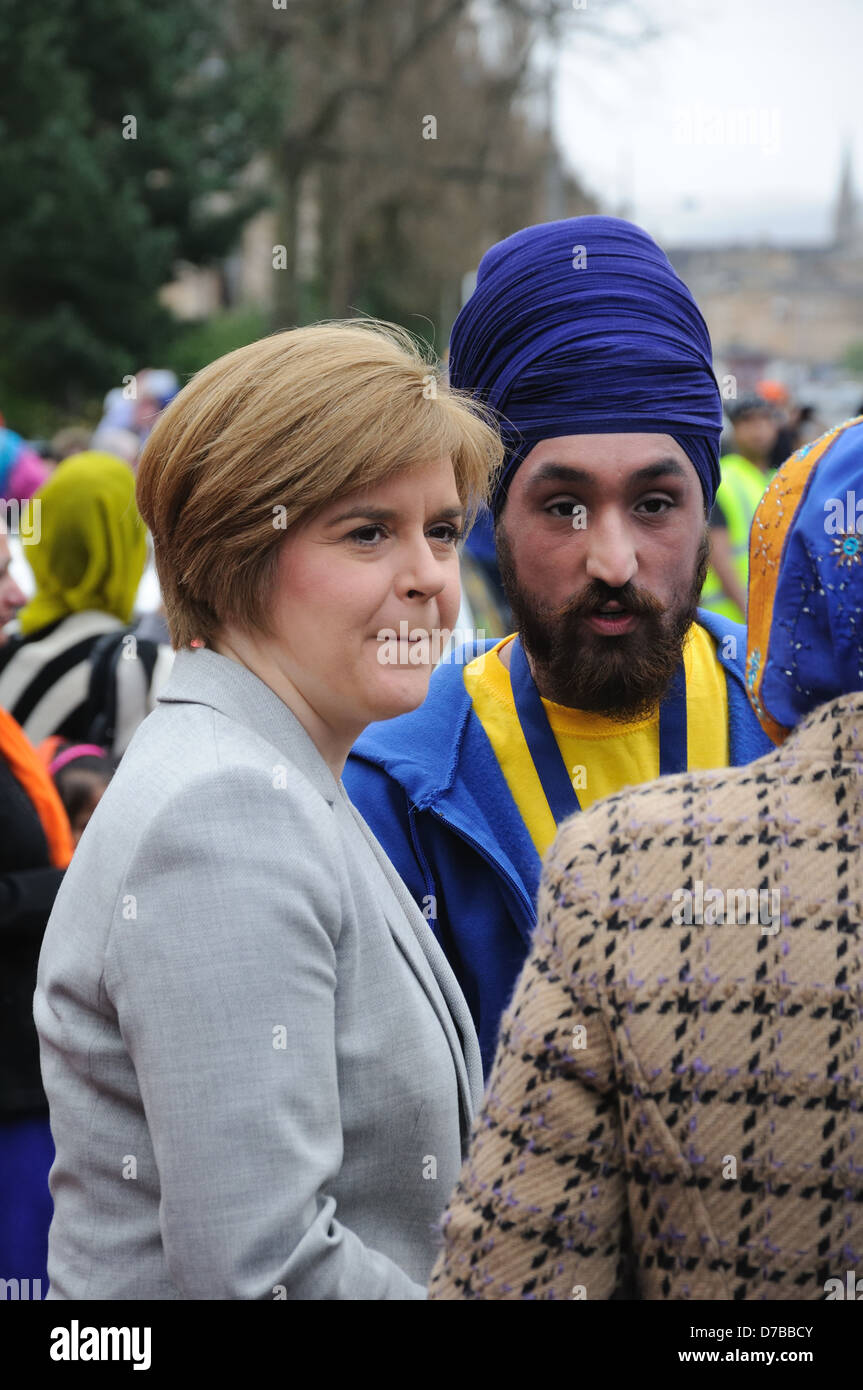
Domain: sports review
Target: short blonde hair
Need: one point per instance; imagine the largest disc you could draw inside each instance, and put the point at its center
(263, 439)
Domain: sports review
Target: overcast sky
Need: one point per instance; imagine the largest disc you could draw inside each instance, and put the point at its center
(728, 127)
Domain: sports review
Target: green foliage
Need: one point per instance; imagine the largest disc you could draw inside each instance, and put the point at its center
(94, 222)
(37, 418)
(200, 343)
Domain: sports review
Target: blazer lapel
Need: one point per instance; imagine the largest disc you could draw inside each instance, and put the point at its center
(417, 942)
(205, 677)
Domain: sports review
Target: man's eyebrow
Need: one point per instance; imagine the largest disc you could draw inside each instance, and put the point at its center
(565, 473)
(560, 473)
(663, 468)
(387, 514)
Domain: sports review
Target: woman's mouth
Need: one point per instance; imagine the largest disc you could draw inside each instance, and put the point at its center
(409, 647)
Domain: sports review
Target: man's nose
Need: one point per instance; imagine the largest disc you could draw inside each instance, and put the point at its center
(611, 554)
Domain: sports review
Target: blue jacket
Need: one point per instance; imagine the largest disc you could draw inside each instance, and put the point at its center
(431, 788)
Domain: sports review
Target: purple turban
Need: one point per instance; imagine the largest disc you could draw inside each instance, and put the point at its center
(583, 327)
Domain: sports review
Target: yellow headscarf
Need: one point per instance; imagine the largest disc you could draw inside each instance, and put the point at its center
(93, 544)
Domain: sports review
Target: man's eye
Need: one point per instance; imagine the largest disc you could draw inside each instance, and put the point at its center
(656, 505)
(562, 508)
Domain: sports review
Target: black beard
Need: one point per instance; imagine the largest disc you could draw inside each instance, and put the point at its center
(624, 677)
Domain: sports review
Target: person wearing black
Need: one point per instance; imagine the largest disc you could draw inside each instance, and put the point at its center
(35, 847)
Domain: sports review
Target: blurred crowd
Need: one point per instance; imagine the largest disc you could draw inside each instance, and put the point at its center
(764, 428)
(73, 553)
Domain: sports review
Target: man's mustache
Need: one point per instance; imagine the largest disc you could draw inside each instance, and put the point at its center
(632, 600)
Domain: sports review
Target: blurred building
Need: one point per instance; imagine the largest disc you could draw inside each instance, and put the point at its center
(801, 304)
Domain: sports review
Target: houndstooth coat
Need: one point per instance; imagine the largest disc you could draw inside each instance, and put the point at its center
(675, 1106)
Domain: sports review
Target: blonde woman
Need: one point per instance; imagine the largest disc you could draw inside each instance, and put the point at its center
(260, 1068)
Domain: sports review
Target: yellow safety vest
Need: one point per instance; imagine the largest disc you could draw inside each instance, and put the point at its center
(739, 493)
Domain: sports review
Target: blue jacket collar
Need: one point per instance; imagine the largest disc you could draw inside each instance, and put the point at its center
(426, 750)
(441, 756)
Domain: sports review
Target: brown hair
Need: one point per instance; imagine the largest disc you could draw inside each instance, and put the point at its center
(264, 438)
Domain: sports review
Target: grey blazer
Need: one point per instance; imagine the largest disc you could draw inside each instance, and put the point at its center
(260, 1068)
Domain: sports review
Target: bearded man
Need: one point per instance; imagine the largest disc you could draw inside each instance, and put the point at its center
(591, 350)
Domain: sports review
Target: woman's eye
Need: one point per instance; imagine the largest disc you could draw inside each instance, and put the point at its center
(451, 534)
(366, 535)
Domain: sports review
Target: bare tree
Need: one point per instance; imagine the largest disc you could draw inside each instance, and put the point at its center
(408, 122)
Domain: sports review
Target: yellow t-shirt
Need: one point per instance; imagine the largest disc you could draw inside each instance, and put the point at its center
(602, 755)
